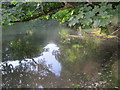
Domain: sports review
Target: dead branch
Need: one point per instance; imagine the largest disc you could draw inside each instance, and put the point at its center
(115, 31)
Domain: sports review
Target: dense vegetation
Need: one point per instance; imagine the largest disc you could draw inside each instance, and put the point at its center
(82, 15)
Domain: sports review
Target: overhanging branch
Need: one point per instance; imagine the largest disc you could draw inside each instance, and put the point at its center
(67, 6)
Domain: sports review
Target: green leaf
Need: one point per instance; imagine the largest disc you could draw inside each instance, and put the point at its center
(86, 21)
(104, 22)
(71, 18)
(14, 3)
(77, 86)
(47, 17)
(96, 9)
(80, 15)
(87, 27)
(90, 14)
(72, 12)
(96, 23)
(73, 22)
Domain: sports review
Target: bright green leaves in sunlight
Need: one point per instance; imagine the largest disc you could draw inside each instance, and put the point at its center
(14, 3)
(63, 15)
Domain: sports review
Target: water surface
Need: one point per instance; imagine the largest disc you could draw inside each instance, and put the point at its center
(35, 56)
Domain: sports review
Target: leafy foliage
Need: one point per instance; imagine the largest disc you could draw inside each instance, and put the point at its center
(84, 15)
(93, 17)
(19, 11)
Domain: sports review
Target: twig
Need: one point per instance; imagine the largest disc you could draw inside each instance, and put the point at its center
(115, 31)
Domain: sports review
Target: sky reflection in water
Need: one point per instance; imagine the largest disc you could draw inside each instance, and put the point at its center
(47, 57)
(50, 59)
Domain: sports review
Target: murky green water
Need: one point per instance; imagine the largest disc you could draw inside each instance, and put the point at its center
(36, 56)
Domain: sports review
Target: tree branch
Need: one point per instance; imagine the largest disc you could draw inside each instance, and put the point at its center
(67, 6)
(115, 31)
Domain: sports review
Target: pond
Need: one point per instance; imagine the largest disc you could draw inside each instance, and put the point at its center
(35, 55)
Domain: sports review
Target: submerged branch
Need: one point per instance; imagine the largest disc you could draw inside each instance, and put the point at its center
(115, 31)
(76, 36)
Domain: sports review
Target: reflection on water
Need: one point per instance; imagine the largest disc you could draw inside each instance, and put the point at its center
(43, 65)
(47, 57)
(50, 59)
(34, 56)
